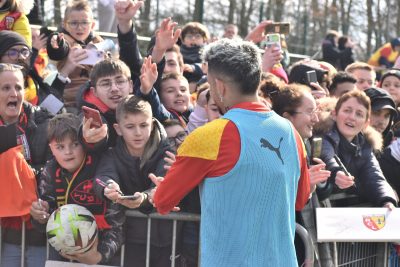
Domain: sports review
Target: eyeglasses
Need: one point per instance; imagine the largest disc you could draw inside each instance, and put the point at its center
(75, 24)
(308, 113)
(194, 36)
(107, 84)
(15, 53)
(180, 137)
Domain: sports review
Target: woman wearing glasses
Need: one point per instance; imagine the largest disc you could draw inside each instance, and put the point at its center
(77, 33)
(296, 103)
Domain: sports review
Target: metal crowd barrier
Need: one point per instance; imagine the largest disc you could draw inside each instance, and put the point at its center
(175, 217)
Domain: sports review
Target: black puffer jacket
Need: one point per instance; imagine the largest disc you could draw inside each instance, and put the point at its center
(109, 216)
(33, 123)
(131, 173)
(391, 168)
(359, 159)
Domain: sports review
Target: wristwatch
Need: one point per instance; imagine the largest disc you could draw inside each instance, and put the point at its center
(63, 79)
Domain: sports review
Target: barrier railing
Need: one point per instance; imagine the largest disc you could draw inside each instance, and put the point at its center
(175, 217)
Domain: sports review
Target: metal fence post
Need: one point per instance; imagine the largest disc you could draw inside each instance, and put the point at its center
(23, 244)
(173, 243)
(308, 245)
(148, 242)
(122, 255)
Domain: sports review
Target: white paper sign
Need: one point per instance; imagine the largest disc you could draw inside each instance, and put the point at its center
(358, 224)
(70, 264)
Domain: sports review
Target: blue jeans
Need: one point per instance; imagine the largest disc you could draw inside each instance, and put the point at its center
(35, 256)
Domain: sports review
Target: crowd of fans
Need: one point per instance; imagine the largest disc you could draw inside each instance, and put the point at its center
(148, 106)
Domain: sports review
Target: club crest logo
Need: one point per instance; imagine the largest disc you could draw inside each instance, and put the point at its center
(374, 222)
(9, 22)
(83, 194)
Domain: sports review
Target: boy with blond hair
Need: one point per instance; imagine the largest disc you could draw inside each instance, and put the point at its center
(140, 150)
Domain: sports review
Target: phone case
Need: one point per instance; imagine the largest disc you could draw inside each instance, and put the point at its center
(273, 39)
(94, 56)
(312, 76)
(316, 147)
(94, 114)
(278, 27)
(130, 197)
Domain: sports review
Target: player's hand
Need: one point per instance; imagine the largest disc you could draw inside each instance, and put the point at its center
(157, 181)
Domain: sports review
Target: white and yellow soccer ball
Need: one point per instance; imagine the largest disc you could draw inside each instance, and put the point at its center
(71, 229)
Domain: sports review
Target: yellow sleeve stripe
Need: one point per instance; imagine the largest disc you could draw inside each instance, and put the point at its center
(204, 142)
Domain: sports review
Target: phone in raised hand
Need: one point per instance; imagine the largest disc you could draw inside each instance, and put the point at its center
(94, 115)
(316, 147)
(277, 27)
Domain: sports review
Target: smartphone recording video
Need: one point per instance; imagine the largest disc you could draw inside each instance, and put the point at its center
(94, 56)
(273, 39)
(278, 27)
(94, 114)
(311, 76)
(316, 147)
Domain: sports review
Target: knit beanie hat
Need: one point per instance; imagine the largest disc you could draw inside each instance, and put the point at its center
(391, 72)
(9, 39)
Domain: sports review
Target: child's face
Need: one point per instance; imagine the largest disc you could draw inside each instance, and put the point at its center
(135, 129)
(392, 85)
(176, 135)
(175, 94)
(79, 24)
(68, 153)
(112, 89)
(212, 110)
(193, 39)
(11, 95)
(172, 63)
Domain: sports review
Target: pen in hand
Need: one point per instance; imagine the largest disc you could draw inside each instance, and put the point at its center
(104, 185)
(340, 163)
(41, 207)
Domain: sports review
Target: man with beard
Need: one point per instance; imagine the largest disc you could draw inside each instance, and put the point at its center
(15, 50)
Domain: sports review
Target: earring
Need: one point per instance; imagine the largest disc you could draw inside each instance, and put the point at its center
(221, 98)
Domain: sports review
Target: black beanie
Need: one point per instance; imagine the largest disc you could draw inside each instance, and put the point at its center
(9, 39)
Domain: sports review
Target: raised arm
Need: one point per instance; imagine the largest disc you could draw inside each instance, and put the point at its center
(125, 11)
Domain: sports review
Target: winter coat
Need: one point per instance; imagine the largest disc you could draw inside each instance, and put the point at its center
(332, 54)
(391, 169)
(359, 159)
(79, 76)
(192, 57)
(109, 216)
(31, 132)
(131, 173)
(17, 21)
